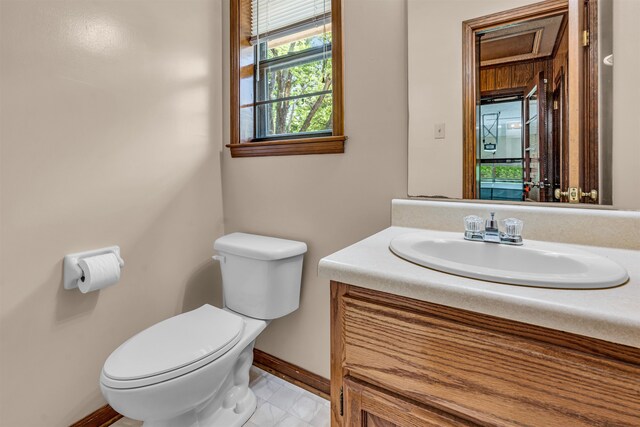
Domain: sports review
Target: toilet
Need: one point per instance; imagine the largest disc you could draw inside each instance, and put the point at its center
(192, 370)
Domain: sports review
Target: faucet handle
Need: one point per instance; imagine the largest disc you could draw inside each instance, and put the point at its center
(473, 223)
(513, 227)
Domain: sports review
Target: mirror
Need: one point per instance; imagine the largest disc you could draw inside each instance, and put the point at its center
(533, 120)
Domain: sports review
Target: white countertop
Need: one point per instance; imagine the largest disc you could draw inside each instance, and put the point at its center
(608, 314)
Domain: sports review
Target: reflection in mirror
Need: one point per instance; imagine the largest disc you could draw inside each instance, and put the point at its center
(500, 156)
(538, 105)
(530, 68)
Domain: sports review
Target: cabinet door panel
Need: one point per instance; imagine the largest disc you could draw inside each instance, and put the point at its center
(373, 421)
(367, 406)
(490, 377)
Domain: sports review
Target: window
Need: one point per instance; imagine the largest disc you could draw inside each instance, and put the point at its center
(294, 91)
(500, 157)
(286, 77)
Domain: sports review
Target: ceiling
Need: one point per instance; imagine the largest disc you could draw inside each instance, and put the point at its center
(522, 41)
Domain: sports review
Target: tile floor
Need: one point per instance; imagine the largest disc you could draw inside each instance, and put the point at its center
(280, 404)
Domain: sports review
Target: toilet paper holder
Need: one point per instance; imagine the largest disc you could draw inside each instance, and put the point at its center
(72, 271)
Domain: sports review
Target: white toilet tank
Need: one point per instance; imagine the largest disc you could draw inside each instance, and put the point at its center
(261, 275)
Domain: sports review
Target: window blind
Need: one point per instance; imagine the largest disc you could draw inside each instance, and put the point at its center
(270, 18)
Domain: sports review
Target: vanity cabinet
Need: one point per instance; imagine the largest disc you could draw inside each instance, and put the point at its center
(396, 361)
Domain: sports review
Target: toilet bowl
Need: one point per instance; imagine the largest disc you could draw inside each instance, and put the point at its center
(192, 370)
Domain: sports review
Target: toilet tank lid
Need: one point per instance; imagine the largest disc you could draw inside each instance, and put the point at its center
(259, 247)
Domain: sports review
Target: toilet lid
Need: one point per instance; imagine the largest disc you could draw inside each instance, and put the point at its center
(186, 339)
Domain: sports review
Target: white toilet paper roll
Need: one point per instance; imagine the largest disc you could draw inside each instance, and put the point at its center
(99, 272)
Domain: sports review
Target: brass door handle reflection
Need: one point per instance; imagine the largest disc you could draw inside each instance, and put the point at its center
(593, 194)
(558, 194)
(540, 184)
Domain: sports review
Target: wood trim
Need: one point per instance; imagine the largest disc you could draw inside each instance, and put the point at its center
(559, 37)
(294, 374)
(561, 85)
(239, 145)
(102, 417)
(590, 174)
(353, 401)
(469, 102)
(519, 14)
(529, 62)
(516, 91)
(337, 56)
(234, 74)
(469, 97)
(338, 291)
(322, 145)
(576, 91)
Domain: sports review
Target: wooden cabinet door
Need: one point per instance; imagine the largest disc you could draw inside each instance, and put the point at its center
(403, 362)
(368, 406)
(493, 377)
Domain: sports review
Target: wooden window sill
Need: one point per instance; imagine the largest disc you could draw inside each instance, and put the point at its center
(290, 147)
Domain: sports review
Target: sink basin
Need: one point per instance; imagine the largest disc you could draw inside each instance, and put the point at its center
(538, 264)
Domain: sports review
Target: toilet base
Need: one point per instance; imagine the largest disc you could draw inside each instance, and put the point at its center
(224, 417)
(231, 407)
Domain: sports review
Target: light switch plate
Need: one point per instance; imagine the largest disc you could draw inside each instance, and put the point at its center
(438, 131)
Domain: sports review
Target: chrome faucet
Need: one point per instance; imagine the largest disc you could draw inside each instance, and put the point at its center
(511, 236)
(492, 230)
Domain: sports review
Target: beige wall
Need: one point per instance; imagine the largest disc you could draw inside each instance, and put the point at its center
(435, 90)
(435, 95)
(110, 132)
(331, 201)
(626, 108)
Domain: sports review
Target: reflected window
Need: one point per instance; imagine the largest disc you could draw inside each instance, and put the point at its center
(500, 150)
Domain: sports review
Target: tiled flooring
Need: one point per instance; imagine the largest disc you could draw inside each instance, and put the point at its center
(280, 404)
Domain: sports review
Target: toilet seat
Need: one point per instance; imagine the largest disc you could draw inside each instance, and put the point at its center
(173, 347)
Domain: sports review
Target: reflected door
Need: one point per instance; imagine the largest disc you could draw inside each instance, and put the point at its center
(559, 138)
(536, 183)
